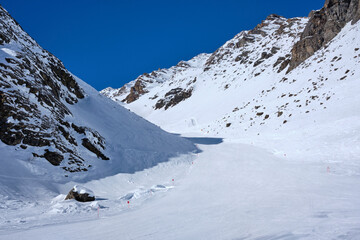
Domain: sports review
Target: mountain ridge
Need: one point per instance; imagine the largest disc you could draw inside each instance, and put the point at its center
(267, 62)
(134, 89)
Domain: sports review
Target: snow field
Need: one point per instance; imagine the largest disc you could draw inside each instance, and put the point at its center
(233, 191)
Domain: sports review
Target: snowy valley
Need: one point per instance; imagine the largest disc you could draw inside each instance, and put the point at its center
(258, 140)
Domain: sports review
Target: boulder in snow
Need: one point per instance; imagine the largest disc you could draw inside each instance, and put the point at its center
(81, 194)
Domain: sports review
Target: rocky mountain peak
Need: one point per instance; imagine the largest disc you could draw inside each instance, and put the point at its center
(273, 17)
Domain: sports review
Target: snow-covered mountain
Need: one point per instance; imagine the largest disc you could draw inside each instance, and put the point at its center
(276, 76)
(55, 126)
(284, 97)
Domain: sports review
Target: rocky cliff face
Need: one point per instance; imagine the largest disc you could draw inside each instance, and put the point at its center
(323, 26)
(35, 89)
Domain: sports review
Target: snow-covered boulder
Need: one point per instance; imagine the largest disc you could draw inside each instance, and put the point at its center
(81, 194)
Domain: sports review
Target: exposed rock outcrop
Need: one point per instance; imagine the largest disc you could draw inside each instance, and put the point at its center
(135, 92)
(322, 27)
(91, 147)
(80, 194)
(53, 157)
(173, 97)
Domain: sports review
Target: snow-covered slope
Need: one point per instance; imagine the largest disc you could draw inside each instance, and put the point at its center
(206, 88)
(55, 127)
(270, 79)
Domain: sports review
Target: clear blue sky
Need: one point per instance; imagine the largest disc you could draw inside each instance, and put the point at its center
(109, 43)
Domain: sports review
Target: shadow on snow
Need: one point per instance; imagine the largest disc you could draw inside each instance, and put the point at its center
(205, 140)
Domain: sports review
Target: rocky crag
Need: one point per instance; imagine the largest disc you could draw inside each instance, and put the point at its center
(35, 89)
(322, 27)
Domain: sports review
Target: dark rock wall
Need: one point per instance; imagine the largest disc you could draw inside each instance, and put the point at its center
(34, 90)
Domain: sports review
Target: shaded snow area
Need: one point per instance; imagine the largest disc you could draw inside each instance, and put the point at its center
(48, 207)
(133, 143)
